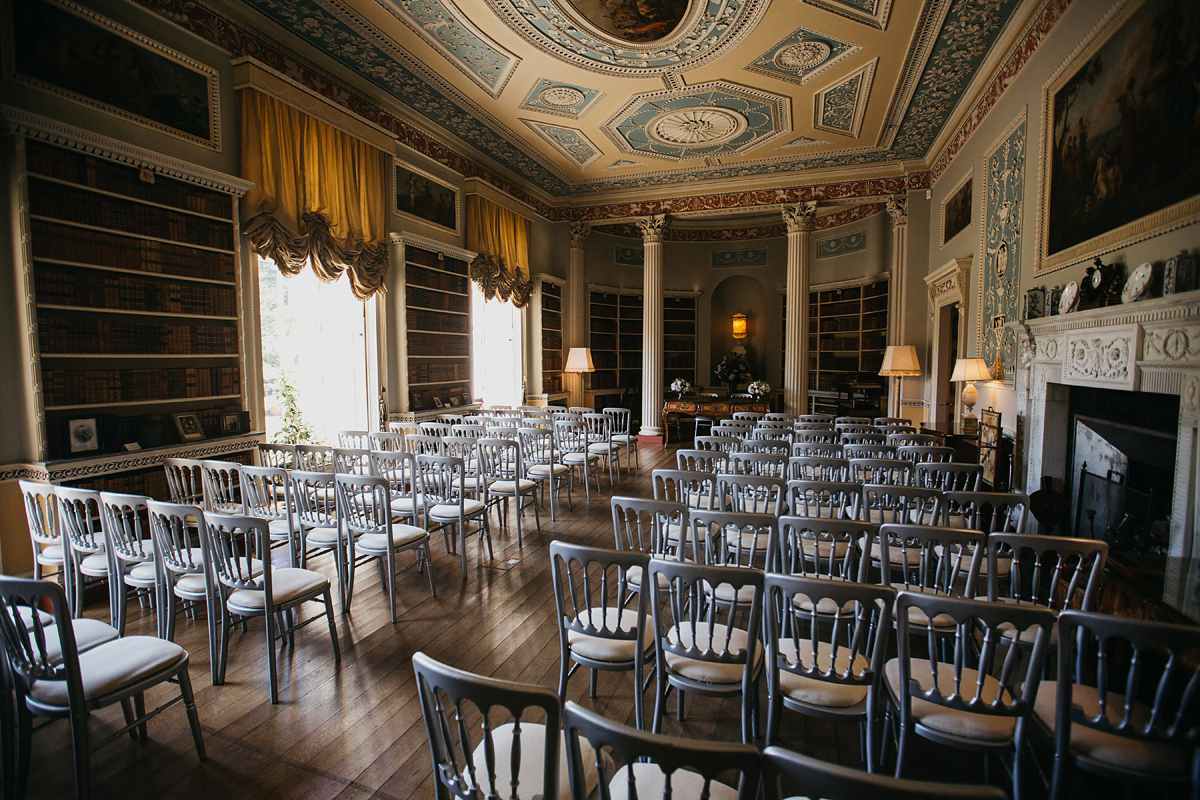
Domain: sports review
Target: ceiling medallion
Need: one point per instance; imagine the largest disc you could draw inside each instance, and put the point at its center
(802, 56)
(561, 97)
(694, 127)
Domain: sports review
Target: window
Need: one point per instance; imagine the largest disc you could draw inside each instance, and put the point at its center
(497, 350)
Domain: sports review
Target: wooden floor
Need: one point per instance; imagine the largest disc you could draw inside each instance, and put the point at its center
(353, 729)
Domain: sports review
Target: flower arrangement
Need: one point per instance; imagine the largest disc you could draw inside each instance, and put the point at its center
(680, 385)
(733, 369)
(759, 388)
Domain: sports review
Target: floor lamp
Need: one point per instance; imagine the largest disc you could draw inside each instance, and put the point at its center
(899, 361)
(579, 361)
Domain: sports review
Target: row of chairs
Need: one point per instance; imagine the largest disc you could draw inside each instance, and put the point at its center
(530, 744)
(942, 475)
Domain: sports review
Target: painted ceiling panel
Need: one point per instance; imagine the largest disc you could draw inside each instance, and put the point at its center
(717, 96)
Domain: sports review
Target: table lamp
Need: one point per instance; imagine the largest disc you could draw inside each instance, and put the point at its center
(970, 370)
(899, 361)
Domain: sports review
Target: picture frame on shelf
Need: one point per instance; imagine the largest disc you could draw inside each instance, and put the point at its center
(454, 401)
(426, 198)
(83, 435)
(231, 423)
(466, 398)
(187, 423)
(437, 403)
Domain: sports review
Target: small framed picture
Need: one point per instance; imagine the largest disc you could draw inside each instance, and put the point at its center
(437, 403)
(454, 401)
(466, 398)
(83, 435)
(231, 423)
(188, 425)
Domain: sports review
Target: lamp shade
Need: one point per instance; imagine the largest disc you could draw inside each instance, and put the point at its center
(739, 326)
(579, 359)
(900, 361)
(971, 369)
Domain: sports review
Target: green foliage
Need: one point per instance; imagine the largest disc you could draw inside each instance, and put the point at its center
(296, 429)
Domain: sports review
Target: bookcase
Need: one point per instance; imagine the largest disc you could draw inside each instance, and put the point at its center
(435, 343)
(679, 338)
(546, 337)
(134, 279)
(604, 313)
(847, 336)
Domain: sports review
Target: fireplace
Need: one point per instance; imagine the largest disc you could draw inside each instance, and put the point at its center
(1144, 357)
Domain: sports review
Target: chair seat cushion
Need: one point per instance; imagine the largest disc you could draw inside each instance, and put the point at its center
(720, 639)
(109, 667)
(817, 692)
(142, 572)
(896, 554)
(546, 470)
(401, 535)
(624, 438)
(529, 775)
(321, 537)
(600, 648)
(51, 554)
(190, 585)
(288, 584)
(953, 721)
(450, 510)
(405, 505)
(89, 633)
(650, 781)
(279, 528)
(575, 459)
(94, 564)
(1109, 748)
(511, 487)
(725, 593)
(822, 548)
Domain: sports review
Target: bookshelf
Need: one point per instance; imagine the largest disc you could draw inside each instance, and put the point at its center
(132, 269)
(546, 316)
(847, 336)
(604, 318)
(679, 337)
(436, 341)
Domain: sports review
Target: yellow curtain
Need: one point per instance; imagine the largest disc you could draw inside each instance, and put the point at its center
(501, 237)
(320, 196)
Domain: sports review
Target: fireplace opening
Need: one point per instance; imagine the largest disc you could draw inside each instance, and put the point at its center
(1123, 447)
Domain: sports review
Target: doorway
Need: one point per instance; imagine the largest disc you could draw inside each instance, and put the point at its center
(497, 346)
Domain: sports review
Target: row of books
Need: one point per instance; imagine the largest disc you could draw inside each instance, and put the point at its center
(551, 320)
(103, 174)
(427, 298)
(552, 384)
(551, 303)
(835, 325)
(679, 328)
(551, 341)
(874, 304)
(684, 315)
(445, 323)
(84, 335)
(432, 279)
(428, 258)
(552, 361)
(679, 343)
(67, 286)
(679, 361)
(847, 343)
(438, 371)
(603, 325)
(83, 207)
(62, 387)
(435, 344)
(67, 243)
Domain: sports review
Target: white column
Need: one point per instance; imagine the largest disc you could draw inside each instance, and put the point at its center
(898, 209)
(652, 324)
(576, 332)
(799, 220)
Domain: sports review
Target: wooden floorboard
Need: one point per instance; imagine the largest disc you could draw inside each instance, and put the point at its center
(353, 730)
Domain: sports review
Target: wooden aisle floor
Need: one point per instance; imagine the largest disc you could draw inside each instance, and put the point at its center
(354, 729)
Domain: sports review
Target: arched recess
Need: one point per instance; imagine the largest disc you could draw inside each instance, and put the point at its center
(739, 293)
(948, 296)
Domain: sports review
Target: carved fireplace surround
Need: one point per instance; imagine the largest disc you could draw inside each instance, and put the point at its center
(1149, 346)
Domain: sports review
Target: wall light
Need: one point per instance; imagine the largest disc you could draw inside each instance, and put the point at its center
(740, 326)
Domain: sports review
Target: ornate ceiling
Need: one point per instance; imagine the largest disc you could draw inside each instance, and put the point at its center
(579, 100)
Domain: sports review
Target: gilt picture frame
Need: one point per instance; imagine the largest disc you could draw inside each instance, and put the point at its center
(956, 211)
(1112, 173)
(424, 197)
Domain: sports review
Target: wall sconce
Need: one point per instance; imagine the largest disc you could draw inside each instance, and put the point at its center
(970, 370)
(740, 326)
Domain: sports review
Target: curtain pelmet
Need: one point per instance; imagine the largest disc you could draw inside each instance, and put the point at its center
(320, 195)
(501, 237)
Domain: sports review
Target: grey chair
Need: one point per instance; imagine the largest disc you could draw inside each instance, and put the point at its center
(906, 505)
(443, 481)
(502, 476)
(131, 554)
(514, 749)
(726, 444)
(318, 523)
(787, 774)
(925, 454)
(277, 455)
(818, 449)
(352, 460)
(543, 464)
(52, 678)
(356, 440)
(571, 441)
(657, 528)
(627, 762)
(185, 480)
(928, 559)
(819, 547)
(222, 486)
(818, 468)
(757, 494)
(863, 438)
(1125, 704)
(913, 439)
(891, 471)
(694, 489)
(184, 577)
(601, 618)
(829, 666)
(45, 535)
(314, 457)
(87, 558)
(772, 464)
(830, 499)
(623, 436)
(954, 476)
(713, 461)
(238, 553)
(268, 495)
(709, 649)
(867, 450)
(973, 693)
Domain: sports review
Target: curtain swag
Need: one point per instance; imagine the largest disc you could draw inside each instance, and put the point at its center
(501, 237)
(320, 195)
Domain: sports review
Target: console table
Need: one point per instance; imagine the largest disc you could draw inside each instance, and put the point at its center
(715, 407)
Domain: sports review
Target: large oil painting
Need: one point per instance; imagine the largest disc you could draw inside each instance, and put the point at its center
(956, 211)
(424, 197)
(1122, 159)
(62, 47)
(632, 20)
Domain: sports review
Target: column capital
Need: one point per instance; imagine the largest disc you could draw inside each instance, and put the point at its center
(799, 218)
(898, 208)
(579, 232)
(652, 227)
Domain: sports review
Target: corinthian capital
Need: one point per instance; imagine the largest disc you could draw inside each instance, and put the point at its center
(653, 227)
(898, 208)
(799, 218)
(579, 232)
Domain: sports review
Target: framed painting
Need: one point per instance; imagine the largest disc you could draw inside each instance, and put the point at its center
(83, 435)
(61, 47)
(426, 198)
(187, 423)
(231, 423)
(1118, 118)
(956, 211)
